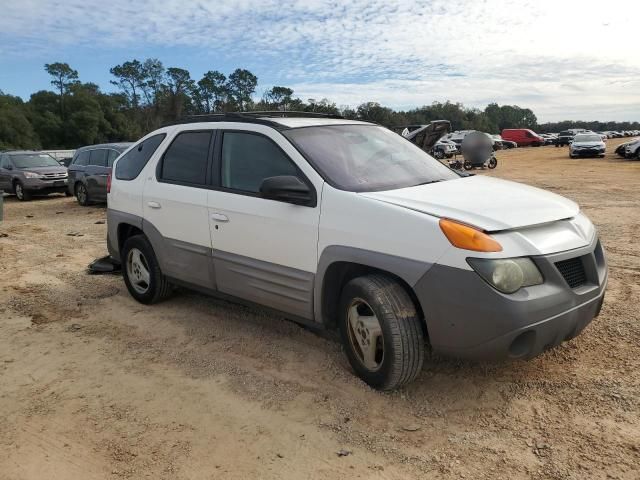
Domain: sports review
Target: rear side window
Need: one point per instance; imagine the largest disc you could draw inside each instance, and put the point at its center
(82, 158)
(131, 164)
(248, 159)
(98, 157)
(111, 156)
(186, 159)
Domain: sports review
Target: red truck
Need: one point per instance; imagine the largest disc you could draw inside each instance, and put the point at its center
(523, 137)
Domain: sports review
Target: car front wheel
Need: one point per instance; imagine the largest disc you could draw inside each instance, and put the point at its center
(141, 271)
(381, 331)
(22, 194)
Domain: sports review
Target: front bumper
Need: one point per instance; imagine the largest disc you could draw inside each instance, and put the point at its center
(467, 318)
(587, 152)
(37, 184)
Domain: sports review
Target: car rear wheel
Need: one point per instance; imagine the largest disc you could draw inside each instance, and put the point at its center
(467, 165)
(381, 332)
(141, 271)
(22, 194)
(82, 195)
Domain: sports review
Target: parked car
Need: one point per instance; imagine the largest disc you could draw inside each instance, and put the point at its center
(621, 150)
(444, 149)
(62, 156)
(344, 224)
(632, 150)
(565, 138)
(587, 145)
(549, 138)
(523, 137)
(89, 169)
(506, 144)
(28, 173)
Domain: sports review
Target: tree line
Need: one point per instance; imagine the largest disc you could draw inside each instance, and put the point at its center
(149, 95)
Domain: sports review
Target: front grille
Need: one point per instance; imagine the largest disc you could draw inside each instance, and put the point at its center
(572, 270)
(54, 175)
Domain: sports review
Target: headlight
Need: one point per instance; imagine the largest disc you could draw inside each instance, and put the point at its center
(508, 275)
(32, 175)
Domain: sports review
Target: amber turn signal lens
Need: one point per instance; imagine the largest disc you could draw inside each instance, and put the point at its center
(468, 238)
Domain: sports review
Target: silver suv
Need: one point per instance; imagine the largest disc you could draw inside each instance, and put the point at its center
(26, 173)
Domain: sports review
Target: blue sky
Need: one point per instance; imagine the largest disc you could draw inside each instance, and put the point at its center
(569, 59)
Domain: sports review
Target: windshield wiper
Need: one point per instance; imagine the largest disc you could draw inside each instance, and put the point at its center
(428, 182)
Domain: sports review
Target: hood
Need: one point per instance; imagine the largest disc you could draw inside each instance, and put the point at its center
(43, 170)
(488, 203)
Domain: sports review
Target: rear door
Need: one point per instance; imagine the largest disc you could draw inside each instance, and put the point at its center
(264, 250)
(96, 174)
(77, 168)
(175, 208)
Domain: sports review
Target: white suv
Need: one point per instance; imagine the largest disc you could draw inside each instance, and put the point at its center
(345, 224)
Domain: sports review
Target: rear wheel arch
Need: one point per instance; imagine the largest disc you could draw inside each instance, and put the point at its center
(126, 230)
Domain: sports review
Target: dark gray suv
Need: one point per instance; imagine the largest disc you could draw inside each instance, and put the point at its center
(89, 170)
(26, 173)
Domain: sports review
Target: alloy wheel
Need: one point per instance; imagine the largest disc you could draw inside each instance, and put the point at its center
(138, 271)
(365, 335)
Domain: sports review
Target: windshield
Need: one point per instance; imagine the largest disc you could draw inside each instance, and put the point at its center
(34, 160)
(587, 138)
(366, 158)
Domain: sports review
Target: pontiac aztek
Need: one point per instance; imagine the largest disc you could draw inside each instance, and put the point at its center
(345, 224)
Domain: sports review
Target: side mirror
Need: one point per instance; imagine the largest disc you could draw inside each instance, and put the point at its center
(286, 188)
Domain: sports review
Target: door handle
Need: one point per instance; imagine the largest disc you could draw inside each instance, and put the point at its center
(219, 217)
(154, 205)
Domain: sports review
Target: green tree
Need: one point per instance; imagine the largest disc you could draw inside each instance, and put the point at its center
(242, 84)
(16, 130)
(177, 89)
(213, 91)
(63, 78)
(131, 80)
(279, 97)
(153, 72)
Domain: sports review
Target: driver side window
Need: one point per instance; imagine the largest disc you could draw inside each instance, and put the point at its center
(4, 161)
(247, 159)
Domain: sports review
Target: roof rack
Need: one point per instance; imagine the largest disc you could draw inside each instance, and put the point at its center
(251, 117)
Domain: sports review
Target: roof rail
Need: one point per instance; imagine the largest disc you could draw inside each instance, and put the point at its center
(249, 117)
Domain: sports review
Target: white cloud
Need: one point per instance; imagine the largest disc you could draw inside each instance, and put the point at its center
(559, 57)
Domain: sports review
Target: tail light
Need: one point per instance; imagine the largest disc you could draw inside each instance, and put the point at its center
(109, 182)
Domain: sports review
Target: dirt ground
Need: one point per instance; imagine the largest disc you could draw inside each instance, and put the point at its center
(94, 385)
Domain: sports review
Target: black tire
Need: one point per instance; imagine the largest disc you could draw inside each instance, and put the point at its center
(21, 193)
(159, 287)
(402, 339)
(467, 165)
(82, 194)
(439, 154)
(493, 163)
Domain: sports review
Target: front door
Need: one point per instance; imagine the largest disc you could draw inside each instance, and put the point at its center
(264, 250)
(175, 209)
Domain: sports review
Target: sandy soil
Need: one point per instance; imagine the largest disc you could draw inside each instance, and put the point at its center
(94, 385)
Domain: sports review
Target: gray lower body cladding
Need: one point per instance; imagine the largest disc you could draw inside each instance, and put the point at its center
(280, 288)
(467, 318)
